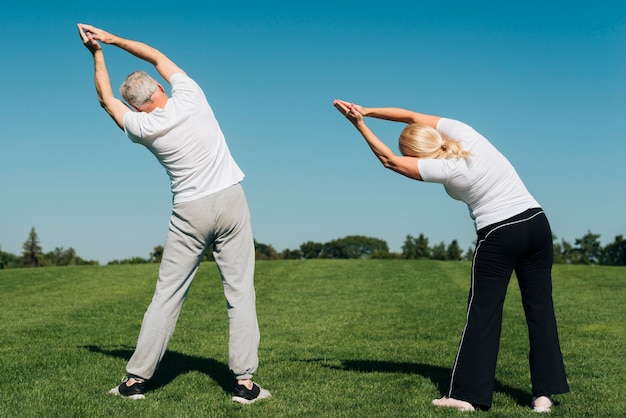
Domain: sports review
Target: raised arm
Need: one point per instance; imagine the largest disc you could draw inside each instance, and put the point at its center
(407, 166)
(395, 114)
(113, 106)
(161, 62)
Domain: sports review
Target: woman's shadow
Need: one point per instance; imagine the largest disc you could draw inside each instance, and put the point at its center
(439, 376)
(175, 364)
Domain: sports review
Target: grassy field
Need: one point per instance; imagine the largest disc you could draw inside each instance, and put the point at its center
(350, 338)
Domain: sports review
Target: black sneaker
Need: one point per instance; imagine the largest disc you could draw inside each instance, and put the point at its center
(247, 396)
(134, 391)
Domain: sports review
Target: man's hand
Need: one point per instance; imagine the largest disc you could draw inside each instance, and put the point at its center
(97, 34)
(89, 39)
(113, 106)
(91, 35)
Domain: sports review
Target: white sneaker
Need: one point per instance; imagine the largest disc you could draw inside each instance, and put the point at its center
(541, 404)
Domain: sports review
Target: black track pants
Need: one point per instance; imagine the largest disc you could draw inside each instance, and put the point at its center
(522, 244)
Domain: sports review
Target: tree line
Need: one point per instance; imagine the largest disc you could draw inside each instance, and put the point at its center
(33, 256)
(585, 250)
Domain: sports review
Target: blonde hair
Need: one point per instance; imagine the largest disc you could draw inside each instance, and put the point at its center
(423, 141)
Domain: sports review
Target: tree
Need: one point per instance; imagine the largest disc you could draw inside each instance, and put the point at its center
(288, 254)
(32, 255)
(157, 254)
(264, 251)
(353, 246)
(438, 252)
(8, 260)
(454, 251)
(588, 248)
(614, 254)
(311, 249)
(61, 257)
(415, 248)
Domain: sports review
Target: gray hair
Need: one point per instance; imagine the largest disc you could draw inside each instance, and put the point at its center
(138, 88)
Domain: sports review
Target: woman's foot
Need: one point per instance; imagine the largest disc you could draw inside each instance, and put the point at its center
(453, 403)
(541, 404)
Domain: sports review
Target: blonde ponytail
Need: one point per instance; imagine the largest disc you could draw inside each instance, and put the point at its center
(423, 141)
(452, 148)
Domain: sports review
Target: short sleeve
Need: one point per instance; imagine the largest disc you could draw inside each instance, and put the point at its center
(132, 126)
(434, 170)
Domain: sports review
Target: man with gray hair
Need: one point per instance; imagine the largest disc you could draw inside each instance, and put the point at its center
(209, 208)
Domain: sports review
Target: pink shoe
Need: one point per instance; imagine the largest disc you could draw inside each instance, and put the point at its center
(453, 403)
(541, 404)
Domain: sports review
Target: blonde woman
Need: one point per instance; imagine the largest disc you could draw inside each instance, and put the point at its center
(513, 234)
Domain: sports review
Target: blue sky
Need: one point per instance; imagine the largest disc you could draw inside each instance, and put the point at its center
(544, 81)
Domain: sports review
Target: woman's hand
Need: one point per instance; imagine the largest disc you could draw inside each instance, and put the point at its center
(407, 166)
(354, 113)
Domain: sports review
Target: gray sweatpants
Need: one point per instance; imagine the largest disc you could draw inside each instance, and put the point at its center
(221, 219)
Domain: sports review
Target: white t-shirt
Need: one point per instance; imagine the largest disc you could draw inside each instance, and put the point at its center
(486, 182)
(187, 140)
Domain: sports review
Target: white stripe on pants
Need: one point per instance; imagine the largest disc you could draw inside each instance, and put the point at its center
(221, 219)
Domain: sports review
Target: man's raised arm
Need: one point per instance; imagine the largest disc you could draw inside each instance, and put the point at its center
(161, 62)
(113, 106)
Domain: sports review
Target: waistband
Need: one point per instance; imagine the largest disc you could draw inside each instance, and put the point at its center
(529, 213)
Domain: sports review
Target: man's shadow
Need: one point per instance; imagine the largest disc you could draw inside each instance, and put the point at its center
(175, 364)
(439, 376)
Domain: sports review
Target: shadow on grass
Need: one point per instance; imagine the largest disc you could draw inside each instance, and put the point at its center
(175, 364)
(439, 376)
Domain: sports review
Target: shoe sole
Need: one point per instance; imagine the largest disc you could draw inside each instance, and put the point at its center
(262, 395)
(116, 391)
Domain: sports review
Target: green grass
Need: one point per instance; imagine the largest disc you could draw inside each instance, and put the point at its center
(354, 338)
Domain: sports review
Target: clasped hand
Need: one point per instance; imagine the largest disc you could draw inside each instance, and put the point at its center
(91, 35)
(352, 111)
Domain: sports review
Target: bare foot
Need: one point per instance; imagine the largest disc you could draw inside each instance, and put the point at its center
(453, 403)
(542, 404)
